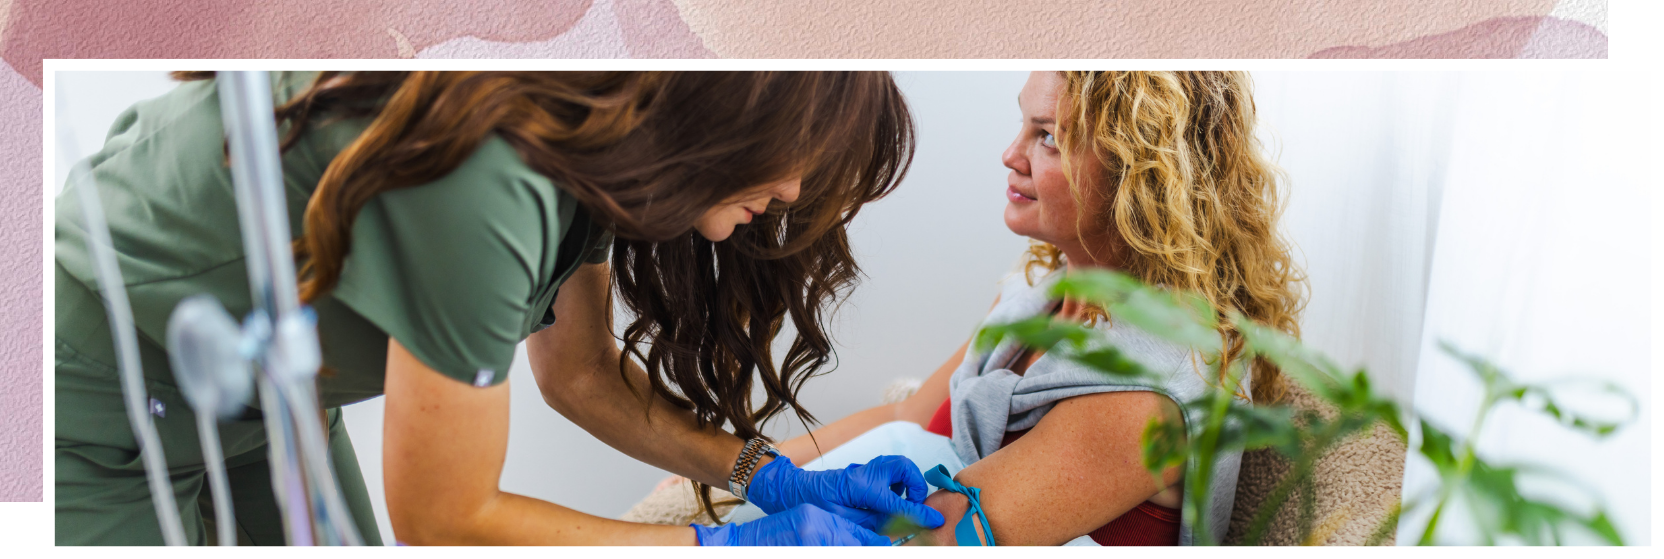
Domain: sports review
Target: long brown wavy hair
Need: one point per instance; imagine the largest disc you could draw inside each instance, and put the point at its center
(1189, 192)
(646, 153)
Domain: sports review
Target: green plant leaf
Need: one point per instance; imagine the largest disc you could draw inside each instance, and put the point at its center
(898, 527)
(1482, 367)
(1495, 489)
(1602, 526)
(1307, 517)
(1098, 286)
(1165, 446)
(1040, 332)
(1386, 528)
(1182, 319)
(1113, 361)
(1310, 369)
(1540, 397)
(1389, 412)
(1219, 422)
(1251, 427)
(1439, 448)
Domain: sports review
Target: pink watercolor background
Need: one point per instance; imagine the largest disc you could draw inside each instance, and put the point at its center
(33, 30)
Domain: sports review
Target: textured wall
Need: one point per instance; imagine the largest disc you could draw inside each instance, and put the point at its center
(1101, 29)
(20, 289)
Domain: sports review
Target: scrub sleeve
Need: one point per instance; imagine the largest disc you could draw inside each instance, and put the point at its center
(459, 271)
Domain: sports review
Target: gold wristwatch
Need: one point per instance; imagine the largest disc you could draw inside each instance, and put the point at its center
(746, 465)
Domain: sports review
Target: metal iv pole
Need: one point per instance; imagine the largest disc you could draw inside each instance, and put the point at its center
(280, 334)
(211, 354)
(124, 335)
(126, 340)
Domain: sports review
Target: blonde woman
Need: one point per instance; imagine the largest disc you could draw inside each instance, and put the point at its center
(1155, 174)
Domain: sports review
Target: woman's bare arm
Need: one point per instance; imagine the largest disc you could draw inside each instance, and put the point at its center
(1078, 469)
(916, 408)
(445, 442)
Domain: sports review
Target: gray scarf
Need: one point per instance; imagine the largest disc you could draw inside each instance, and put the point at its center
(990, 400)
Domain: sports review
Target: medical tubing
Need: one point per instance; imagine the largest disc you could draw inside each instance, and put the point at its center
(251, 129)
(965, 532)
(225, 520)
(288, 361)
(321, 523)
(108, 272)
(292, 354)
(287, 486)
(315, 457)
(235, 99)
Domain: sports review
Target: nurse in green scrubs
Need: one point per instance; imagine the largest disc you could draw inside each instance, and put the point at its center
(443, 218)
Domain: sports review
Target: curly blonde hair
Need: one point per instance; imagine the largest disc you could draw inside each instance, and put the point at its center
(1186, 187)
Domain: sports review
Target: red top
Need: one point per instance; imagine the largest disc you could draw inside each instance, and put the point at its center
(1147, 524)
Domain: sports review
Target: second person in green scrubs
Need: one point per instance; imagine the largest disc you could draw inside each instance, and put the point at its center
(444, 218)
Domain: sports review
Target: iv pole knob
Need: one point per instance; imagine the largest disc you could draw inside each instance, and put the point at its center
(204, 349)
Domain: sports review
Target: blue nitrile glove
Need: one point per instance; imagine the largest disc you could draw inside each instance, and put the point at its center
(800, 525)
(868, 494)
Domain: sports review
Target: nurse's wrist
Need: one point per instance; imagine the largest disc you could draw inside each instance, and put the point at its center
(753, 456)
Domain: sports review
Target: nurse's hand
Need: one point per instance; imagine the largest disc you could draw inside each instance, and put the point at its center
(800, 525)
(868, 494)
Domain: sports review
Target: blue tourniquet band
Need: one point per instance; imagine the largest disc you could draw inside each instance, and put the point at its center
(965, 531)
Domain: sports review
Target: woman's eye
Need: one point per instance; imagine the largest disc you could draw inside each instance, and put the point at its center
(1047, 140)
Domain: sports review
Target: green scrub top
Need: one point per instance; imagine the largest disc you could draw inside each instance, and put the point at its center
(459, 270)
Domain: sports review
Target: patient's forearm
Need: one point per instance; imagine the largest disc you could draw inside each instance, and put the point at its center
(804, 448)
(917, 408)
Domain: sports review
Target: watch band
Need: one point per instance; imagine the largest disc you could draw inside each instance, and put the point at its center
(746, 465)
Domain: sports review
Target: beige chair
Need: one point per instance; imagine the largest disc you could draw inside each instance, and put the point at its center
(1357, 482)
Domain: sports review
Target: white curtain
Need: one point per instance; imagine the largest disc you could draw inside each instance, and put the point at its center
(1542, 264)
(1505, 213)
(1365, 155)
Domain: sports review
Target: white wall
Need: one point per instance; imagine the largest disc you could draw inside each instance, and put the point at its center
(1370, 157)
(934, 250)
(88, 103)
